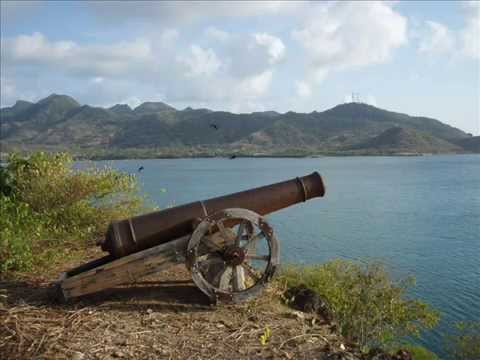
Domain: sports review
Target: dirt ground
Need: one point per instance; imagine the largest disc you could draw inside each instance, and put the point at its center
(161, 317)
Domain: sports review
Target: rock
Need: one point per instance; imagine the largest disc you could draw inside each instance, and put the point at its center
(120, 341)
(403, 355)
(118, 354)
(77, 355)
(375, 351)
(307, 300)
(379, 354)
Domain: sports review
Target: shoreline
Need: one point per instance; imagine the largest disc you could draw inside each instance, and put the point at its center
(127, 154)
(166, 157)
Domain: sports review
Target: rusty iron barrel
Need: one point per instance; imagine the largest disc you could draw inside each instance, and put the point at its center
(142, 232)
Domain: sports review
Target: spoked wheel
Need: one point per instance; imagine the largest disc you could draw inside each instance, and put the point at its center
(232, 254)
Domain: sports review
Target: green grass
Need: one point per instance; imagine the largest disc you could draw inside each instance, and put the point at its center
(49, 208)
(418, 352)
(370, 308)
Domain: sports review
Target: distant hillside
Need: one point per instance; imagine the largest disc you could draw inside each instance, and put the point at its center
(152, 108)
(400, 140)
(471, 144)
(60, 122)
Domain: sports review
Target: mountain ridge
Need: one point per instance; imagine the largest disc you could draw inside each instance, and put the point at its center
(59, 121)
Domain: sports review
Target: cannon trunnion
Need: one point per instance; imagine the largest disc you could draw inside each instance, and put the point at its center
(226, 243)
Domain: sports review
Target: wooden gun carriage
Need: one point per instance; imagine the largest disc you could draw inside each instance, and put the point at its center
(226, 243)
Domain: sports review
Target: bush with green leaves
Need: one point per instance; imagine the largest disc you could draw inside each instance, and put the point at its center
(370, 308)
(49, 207)
(417, 352)
(464, 341)
(19, 228)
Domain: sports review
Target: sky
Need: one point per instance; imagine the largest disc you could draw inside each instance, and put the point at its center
(419, 58)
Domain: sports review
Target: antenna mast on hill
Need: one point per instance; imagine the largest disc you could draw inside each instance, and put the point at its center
(355, 97)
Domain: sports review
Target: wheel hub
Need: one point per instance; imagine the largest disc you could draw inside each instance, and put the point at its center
(234, 255)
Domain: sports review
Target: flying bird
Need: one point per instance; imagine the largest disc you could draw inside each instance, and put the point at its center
(140, 168)
(214, 126)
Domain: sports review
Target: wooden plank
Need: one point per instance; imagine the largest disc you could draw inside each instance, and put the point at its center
(127, 269)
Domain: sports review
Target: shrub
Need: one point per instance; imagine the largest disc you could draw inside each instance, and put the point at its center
(464, 343)
(369, 307)
(48, 206)
(418, 352)
(18, 226)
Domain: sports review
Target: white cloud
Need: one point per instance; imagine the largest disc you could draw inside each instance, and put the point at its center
(200, 62)
(470, 35)
(234, 73)
(338, 35)
(275, 46)
(244, 55)
(437, 40)
(97, 80)
(257, 85)
(303, 89)
(371, 100)
(169, 36)
(217, 34)
(95, 60)
(132, 101)
(343, 35)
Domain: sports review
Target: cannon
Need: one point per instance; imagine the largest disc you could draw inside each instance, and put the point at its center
(225, 242)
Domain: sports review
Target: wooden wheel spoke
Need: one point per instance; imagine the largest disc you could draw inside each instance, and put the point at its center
(225, 278)
(237, 258)
(238, 278)
(251, 271)
(225, 235)
(210, 244)
(251, 242)
(213, 260)
(258, 257)
(241, 229)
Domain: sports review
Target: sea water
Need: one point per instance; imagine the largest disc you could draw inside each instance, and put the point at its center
(420, 215)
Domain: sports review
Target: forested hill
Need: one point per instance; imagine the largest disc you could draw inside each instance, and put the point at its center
(60, 122)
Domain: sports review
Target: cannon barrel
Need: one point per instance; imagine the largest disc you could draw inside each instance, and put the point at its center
(141, 232)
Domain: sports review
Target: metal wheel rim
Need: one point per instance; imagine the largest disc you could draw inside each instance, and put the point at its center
(216, 293)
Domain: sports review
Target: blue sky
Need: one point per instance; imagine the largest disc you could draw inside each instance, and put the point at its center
(420, 58)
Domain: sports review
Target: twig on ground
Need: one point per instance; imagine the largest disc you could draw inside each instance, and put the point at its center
(302, 335)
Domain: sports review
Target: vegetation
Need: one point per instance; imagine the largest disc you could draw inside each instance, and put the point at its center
(49, 208)
(417, 352)
(470, 144)
(398, 139)
(464, 342)
(369, 307)
(156, 129)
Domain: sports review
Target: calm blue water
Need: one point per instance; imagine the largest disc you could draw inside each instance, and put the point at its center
(420, 215)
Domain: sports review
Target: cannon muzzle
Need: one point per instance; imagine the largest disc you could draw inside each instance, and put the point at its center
(141, 232)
